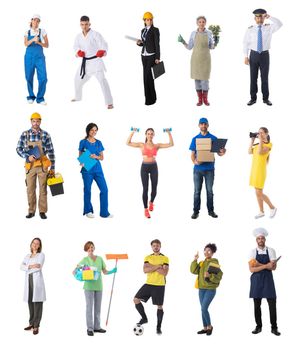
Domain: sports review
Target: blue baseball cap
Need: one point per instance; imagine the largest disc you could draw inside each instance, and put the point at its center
(203, 121)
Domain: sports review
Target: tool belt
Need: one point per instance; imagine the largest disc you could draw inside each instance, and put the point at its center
(44, 162)
(83, 65)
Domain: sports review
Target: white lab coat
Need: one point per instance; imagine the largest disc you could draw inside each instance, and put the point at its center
(91, 44)
(39, 292)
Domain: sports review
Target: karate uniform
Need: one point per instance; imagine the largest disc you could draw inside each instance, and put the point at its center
(90, 45)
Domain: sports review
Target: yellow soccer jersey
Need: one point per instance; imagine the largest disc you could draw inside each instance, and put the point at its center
(155, 278)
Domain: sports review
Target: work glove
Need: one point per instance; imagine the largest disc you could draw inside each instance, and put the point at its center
(181, 40)
(112, 271)
(51, 173)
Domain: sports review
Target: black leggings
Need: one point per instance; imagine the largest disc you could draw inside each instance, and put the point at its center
(149, 169)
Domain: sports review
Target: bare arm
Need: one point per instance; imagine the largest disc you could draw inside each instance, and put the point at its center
(133, 144)
(46, 43)
(250, 151)
(163, 270)
(193, 158)
(259, 267)
(166, 145)
(262, 149)
(147, 267)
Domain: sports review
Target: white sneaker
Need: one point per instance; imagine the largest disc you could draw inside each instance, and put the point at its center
(30, 101)
(89, 215)
(272, 213)
(259, 215)
(109, 217)
(43, 103)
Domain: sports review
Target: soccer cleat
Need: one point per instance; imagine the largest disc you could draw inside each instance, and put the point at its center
(151, 206)
(146, 213)
(142, 321)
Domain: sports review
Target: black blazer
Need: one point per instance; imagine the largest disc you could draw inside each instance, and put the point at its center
(151, 42)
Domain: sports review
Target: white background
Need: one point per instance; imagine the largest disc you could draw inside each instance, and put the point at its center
(66, 230)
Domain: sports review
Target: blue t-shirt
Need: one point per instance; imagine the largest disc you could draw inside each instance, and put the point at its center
(205, 165)
(94, 148)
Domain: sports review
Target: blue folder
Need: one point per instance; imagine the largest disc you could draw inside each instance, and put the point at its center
(86, 160)
(34, 152)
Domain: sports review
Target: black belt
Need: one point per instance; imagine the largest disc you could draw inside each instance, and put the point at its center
(83, 65)
(259, 52)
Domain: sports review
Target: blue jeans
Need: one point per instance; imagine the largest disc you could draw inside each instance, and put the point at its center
(198, 177)
(100, 181)
(205, 298)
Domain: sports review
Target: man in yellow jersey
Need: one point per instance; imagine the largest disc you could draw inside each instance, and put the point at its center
(156, 267)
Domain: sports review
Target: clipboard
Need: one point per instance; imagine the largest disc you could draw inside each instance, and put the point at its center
(85, 159)
(34, 152)
(218, 144)
(158, 70)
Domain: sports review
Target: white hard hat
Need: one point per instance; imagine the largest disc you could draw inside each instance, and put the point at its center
(260, 231)
(36, 16)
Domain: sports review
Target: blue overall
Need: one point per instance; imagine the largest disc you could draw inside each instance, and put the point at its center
(94, 174)
(262, 283)
(35, 60)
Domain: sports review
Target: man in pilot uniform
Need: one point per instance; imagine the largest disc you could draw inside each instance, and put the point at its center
(256, 44)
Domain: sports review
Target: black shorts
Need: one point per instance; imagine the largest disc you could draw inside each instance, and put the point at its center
(149, 291)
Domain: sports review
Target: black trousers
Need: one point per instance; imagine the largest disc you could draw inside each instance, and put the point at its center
(148, 81)
(259, 61)
(149, 170)
(35, 308)
(258, 312)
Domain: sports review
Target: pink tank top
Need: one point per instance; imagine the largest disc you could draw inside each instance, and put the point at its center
(149, 152)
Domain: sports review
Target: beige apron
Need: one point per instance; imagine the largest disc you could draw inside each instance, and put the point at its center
(201, 58)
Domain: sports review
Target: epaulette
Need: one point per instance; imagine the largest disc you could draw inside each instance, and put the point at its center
(267, 24)
(250, 27)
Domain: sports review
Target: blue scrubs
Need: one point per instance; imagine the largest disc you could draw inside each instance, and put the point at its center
(35, 60)
(94, 174)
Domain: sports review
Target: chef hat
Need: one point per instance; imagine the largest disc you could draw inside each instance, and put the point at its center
(260, 231)
(36, 16)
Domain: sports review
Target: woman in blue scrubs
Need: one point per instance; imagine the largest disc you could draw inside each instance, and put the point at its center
(95, 147)
(35, 39)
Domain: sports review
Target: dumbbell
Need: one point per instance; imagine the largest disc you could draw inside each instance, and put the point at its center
(135, 129)
(167, 130)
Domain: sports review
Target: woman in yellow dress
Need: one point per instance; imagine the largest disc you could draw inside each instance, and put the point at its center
(260, 157)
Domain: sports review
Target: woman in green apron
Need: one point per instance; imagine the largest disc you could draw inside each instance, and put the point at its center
(201, 41)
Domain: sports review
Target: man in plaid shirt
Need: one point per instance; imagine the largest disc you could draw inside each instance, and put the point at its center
(35, 146)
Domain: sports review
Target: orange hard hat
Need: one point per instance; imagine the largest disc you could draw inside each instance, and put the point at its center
(148, 15)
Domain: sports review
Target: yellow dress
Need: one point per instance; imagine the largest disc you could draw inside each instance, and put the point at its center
(259, 165)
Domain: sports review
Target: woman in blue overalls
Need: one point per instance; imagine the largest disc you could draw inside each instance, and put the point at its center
(95, 147)
(35, 39)
(262, 283)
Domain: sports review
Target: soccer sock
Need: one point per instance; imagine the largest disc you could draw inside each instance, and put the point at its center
(160, 314)
(140, 309)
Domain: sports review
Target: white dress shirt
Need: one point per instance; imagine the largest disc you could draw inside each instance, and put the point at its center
(39, 292)
(91, 44)
(250, 38)
(271, 252)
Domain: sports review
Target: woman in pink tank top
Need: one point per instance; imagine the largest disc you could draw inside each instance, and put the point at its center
(149, 168)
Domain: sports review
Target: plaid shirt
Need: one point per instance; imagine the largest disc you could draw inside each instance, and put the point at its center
(30, 136)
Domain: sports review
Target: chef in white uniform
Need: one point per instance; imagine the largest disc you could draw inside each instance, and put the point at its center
(34, 291)
(91, 47)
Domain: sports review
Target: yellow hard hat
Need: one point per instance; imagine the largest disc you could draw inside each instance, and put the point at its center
(148, 15)
(35, 116)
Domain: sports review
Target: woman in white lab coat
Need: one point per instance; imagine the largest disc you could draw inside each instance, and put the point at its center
(34, 291)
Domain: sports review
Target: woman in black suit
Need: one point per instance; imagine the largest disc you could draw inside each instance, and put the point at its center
(150, 54)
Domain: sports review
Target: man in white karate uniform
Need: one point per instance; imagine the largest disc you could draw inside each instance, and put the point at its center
(91, 47)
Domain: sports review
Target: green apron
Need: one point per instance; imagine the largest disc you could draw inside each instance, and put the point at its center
(201, 58)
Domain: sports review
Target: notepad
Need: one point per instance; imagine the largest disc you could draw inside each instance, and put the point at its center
(85, 159)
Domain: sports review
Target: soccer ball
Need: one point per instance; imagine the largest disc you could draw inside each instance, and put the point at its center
(138, 329)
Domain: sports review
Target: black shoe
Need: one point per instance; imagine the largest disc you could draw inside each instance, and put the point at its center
(101, 330)
(90, 333)
(268, 103)
(213, 214)
(142, 321)
(275, 331)
(43, 215)
(203, 331)
(209, 331)
(35, 331)
(159, 332)
(194, 215)
(30, 215)
(28, 328)
(251, 102)
(257, 330)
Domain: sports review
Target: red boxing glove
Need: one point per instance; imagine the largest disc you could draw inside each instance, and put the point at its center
(100, 53)
(81, 53)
